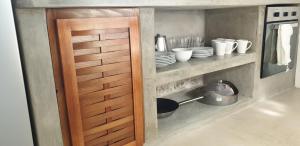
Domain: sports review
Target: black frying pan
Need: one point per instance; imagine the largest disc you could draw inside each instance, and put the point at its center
(166, 107)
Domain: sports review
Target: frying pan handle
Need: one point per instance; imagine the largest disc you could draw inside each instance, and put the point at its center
(190, 100)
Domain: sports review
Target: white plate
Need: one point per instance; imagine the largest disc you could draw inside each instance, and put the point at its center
(202, 53)
(200, 56)
(165, 61)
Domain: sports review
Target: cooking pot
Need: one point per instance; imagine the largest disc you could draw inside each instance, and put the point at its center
(219, 93)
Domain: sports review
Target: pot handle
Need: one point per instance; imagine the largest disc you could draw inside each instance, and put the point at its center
(190, 100)
(234, 88)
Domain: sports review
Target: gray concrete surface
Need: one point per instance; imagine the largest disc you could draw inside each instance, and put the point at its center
(180, 22)
(36, 58)
(178, 86)
(148, 3)
(149, 72)
(196, 67)
(236, 23)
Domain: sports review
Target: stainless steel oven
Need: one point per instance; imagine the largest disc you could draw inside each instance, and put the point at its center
(276, 15)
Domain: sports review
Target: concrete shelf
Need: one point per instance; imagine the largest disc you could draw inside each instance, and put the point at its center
(196, 67)
(196, 115)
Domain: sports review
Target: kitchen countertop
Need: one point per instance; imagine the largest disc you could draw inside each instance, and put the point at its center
(203, 4)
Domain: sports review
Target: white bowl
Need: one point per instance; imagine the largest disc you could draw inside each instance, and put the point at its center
(183, 54)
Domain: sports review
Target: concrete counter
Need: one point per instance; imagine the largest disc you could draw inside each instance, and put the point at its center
(205, 4)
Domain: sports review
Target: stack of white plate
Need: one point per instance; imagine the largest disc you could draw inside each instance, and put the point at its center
(202, 52)
(163, 59)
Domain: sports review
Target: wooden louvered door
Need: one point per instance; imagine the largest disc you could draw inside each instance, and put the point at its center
(101, 70)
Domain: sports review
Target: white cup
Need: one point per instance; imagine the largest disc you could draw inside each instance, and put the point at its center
(231, 46)
(220, 47)
(243, 46)
(213, 42)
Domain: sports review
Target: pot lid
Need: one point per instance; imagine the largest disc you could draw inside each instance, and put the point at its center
(221, 87)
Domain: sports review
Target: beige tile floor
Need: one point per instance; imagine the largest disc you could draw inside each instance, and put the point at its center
(272, 122)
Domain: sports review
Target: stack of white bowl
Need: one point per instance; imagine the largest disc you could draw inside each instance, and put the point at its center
(163, 59)
(202, 52)
(183, 54)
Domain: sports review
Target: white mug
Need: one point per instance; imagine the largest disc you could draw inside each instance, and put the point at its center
(243, 46)
(213, 42)
(231, 46)
(220, 47)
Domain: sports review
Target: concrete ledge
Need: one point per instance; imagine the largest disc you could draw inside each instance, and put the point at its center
(147, 3)
(196, 67)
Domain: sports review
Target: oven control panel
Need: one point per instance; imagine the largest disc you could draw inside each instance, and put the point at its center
(282, 13)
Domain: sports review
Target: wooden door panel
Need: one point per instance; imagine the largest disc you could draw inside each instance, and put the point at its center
(100, 71)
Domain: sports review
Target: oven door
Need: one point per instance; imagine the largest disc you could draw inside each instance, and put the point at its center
(269, 65)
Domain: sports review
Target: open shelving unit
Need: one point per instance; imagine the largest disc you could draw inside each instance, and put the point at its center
(237, 68)
(235, 23)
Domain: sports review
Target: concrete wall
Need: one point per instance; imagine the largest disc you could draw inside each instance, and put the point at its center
(36, 58)
(177, 86)
(180, 22)
(149, 72)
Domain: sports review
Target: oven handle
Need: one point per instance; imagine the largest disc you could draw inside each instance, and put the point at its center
(293, 25)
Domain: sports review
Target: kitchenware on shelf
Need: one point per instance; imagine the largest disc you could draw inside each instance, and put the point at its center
(163, 59)
(166, 107)
(197, 41)
(172, 42)
(219, 93)
(183, 54)
(184, 42)
(202, 52)
(243, 46)
(213, 42)
(160, 43)
(220, 47)
(231, 46)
